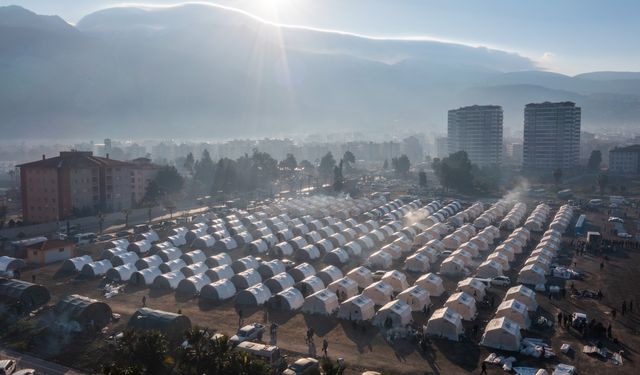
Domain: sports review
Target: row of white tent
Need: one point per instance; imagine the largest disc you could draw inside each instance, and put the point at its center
(538, 218)
(538, 264)
(514, 217)
(491, 215)
(467, 215)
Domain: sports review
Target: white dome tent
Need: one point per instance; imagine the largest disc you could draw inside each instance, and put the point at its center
(329, 274)
(463, 304)
(282, 249)
(379, 292)
(531, 274)
(168, 281)
(279, 282)
(145, 277)
(302, 271)
(121, 273)
(344, 288)
(169, 254)
(396, 279)
(446, 323)
(516, 311)
(380, 260)
(148, 262)
(75, 264)
(489, 269)
(194, 256)
(222, 259)
(289, 299)
(396, 313)
(174, 265)
(324, 302)
(218, 291)
(111, 252)
(246, 279)
(194, 269)
(358, 308)
(473, 287)
(257, 295)
(95, 269)
(523, 295)
(502, 334)
(192, 285)
(220, 273)
(416, 297)
(362, 276)
(270, 268)
(308, 253)
(336, 257)
(310, 285)
(244, 264)
(124, 258)
(432, 283)
(453, 266)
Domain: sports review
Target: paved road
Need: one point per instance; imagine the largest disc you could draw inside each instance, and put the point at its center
(41, 366)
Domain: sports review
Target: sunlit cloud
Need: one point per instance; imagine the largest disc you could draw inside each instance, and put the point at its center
(274, 5)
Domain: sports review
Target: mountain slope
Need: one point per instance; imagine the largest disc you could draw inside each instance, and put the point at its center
(198, 71)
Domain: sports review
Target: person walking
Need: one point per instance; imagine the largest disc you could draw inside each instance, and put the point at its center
(144, 301)
(484, 369)
(33, 278)
(560, 318)
(325, 346)
(624, 307)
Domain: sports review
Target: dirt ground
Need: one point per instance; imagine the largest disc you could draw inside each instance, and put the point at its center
(368, 349)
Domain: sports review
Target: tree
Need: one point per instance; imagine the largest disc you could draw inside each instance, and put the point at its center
(401, 165)
(100, 217)
(594, 161)
(189, 163)
(140, 353)
(204, 169)
(422, 179)
(454, 171)
(306, 165)
(327, 163)
(126, 212)
(602, 181)
(557, 176)
(170, 206)
(289, 163)
(338, 179)
(166, 182)
(349, 160)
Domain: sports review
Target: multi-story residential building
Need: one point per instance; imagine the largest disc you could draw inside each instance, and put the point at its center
(477, 130)
(143, 173)
(551, 136)
(75, 182)
(625, 160)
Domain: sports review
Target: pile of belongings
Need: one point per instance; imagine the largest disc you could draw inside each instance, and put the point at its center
(543, 322)
(534, 348)
(562, 369)
(498, 360)
(111, 290)
(529, 371)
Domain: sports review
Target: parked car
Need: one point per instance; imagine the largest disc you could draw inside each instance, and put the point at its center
(7, 367)
(141, 228)
(624, 235)
(27, 371)
(302, 366)
(123, 233)
(614, 219)
(501, 281)
(157, 226)
(105, 237)
(249, 332)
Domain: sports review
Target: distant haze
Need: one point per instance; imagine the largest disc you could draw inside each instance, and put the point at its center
(197, 71)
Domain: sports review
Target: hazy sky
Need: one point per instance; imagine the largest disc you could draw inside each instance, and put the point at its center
(567, 36)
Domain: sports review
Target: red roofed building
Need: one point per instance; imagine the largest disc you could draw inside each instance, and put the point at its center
(72, 183)
(50, 251)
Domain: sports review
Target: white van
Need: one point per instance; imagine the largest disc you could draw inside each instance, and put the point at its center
(84, 238)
